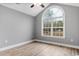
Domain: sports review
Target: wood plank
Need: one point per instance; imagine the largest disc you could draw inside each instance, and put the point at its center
(40, 49)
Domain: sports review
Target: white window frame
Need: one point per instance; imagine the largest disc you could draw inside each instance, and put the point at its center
(59, 27)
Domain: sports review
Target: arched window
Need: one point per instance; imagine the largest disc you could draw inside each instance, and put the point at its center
(53, 22)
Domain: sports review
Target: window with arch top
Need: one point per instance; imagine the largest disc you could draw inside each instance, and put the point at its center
(53, 22)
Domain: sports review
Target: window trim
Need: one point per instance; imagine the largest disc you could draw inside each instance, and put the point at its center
(63, 24)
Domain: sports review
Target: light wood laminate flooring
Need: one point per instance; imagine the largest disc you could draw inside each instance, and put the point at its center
(40, 49)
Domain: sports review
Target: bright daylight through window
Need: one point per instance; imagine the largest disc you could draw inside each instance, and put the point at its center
(53, 22)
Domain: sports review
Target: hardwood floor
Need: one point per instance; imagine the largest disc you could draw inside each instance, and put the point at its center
(40, 49)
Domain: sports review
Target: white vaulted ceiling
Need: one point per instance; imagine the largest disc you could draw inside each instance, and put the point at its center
(25, 8)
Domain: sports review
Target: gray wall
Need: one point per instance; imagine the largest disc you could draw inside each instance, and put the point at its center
(15, 27)
(71, 26)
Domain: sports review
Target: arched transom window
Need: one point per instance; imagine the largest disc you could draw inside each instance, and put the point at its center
(53, 22)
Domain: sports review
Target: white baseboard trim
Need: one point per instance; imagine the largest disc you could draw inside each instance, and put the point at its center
(19, 44)
(60, 44)
(16, 45)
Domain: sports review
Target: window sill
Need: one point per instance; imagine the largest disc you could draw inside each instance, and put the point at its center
(54, 37)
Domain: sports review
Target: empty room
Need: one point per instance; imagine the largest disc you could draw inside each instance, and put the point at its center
(39, 29)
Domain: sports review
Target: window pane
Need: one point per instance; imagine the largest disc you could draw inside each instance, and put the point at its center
(57, 12)
(57, 31)
(53, 19)
(53, 12)
(58, 22)
(61, 31)
(47, 31)
(47, 24)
